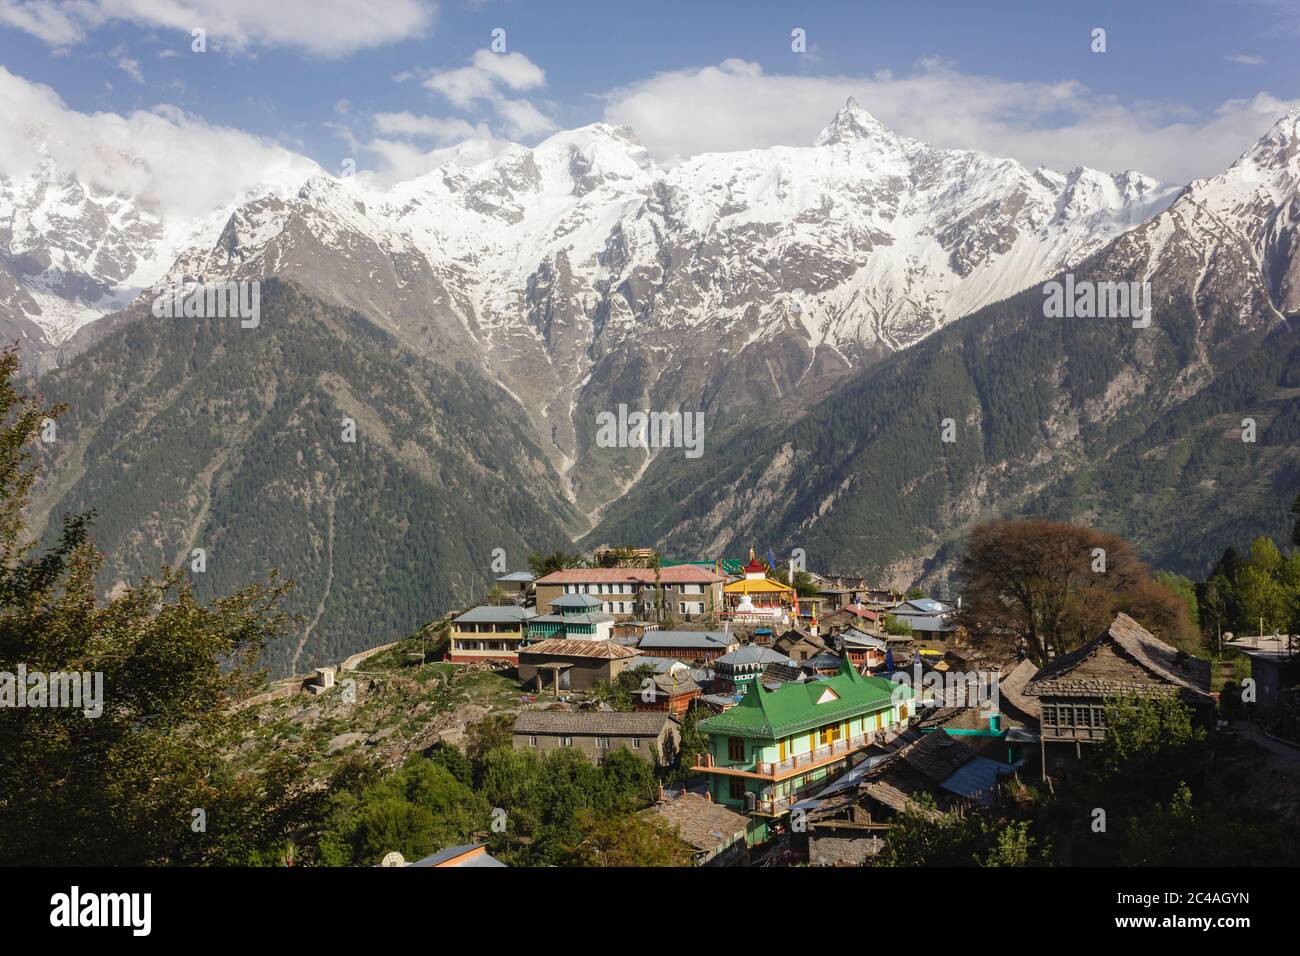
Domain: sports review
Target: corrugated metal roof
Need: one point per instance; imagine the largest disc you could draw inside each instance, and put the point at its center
(706, 640)
(558, 647)
(978, 779)
(496, 614)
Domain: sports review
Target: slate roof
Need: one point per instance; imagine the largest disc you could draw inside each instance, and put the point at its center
(559, 647)
(792, 708)
(592, 723)
(823, 661)
(675, 682)
(700, 822)
(1166, 666)
(1012, 689)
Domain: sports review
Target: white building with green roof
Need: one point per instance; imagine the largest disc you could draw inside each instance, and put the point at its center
(775, 743)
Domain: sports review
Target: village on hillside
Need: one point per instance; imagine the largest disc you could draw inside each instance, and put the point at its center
(798, 718)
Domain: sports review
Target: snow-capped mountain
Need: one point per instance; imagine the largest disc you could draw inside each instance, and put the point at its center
(72, 252)
(577, 271)
(1138, 430)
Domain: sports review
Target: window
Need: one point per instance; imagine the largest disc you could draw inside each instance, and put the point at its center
(566, 741)
(602, 743)
(636, 743)
(736, 749)
(1049, 715)
(828, 734)
(532, 741)
(737, 791)
(1099, 717)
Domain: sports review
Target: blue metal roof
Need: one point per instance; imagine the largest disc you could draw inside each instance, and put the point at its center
(978, 779)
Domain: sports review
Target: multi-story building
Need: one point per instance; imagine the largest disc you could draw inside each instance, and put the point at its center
(764, 752)
(684, 591)
(572, 617)
(489, 633)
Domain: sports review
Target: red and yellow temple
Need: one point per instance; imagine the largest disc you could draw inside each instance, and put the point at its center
(758, 596)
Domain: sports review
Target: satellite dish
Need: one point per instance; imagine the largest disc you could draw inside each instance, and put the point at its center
(393, 859)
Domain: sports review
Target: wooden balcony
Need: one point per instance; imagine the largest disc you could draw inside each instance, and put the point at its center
(824, 755)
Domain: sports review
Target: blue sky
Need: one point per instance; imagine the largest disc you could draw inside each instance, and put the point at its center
(1183, 86)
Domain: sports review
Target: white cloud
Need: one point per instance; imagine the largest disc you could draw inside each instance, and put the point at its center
(452, 129)
(1246, 59)
(468, 84)
(522, 119)
(123, 61)
(322, 27)
(172, 160)
(735, 105)
(488, 79)
(400, 161)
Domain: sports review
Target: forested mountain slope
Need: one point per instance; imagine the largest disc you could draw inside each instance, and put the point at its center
(197, 433)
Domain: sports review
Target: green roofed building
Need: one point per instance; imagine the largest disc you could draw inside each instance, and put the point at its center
(774, 744)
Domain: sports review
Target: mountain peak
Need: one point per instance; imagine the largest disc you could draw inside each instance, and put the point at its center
(853, 124)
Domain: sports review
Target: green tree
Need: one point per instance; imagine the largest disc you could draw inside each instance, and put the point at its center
(495, 730)
(120, 788)
(1151, 747)
(922, 836)
(543, 564)
(630, 840)
(451, 757)
(1185, 588)
(897, 626)
(418, 810)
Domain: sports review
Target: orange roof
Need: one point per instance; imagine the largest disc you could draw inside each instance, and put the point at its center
(677, 574)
